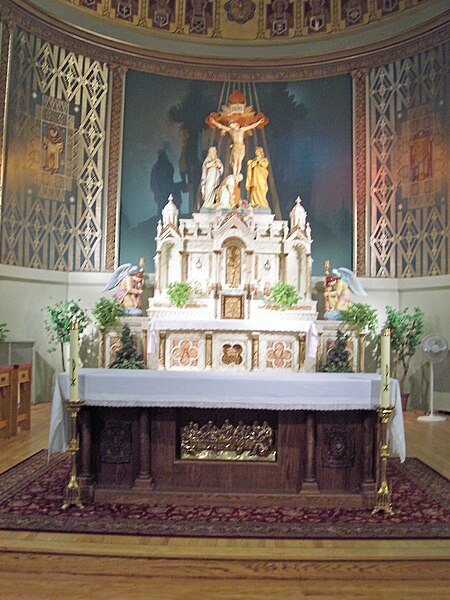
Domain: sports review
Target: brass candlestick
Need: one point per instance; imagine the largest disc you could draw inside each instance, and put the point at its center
(383, 495)
(72, 492)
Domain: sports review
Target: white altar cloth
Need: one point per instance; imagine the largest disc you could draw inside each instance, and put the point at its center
(268, 325)
(212, 389)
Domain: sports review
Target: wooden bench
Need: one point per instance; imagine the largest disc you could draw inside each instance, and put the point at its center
(15, 399)
(8, 398)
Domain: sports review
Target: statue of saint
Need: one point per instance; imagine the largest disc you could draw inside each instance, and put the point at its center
(236, 133)
(212, 170)
(256, 183)
(228, 191)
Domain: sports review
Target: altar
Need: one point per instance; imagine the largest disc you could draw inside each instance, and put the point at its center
(295, 438)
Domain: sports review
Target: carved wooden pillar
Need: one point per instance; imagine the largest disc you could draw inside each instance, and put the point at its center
(144, 345)
(369, 451)
(360, 168)
(5, 59)
(310, 482)
(115, 147)
(85, 478)
(208, 350)
(255, 351)
(162, 349)
(319, 352)
(144, 479)
(301, 350)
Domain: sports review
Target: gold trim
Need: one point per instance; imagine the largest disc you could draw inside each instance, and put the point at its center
(360, 168)
(301, 350)
(162, 349)
(115, 131)
(208, 350)
(209, 67)
(255, 351)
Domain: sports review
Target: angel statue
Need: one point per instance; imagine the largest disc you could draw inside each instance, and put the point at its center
(128, 282)
(339, 285)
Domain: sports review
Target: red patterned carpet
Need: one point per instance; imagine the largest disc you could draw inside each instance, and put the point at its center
(31, 497)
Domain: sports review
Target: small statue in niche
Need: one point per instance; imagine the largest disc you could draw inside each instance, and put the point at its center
(233, 267)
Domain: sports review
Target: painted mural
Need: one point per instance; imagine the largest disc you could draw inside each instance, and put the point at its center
(308, 141)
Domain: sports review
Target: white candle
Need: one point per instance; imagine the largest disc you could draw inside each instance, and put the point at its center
(385, 399)
(73, 359)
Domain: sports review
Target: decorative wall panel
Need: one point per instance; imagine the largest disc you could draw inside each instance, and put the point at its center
(55, 141)
(408, 161)
(247, 19)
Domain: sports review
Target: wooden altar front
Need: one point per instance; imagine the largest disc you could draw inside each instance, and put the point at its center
(238, 437)
(323, 458)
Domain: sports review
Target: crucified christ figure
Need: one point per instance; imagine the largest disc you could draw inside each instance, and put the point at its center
(236, 132)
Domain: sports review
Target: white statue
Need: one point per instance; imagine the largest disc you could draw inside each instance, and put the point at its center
(212, 170)
(226, 194)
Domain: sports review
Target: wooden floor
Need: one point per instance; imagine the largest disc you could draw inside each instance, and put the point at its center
(47, 566)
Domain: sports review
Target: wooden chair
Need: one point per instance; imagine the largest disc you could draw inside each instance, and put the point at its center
(8, 399)
(22, 407)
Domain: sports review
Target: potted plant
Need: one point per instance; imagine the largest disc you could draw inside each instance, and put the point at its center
(284, 295)
(60, 317)
(105, 312)
(363, 318)
(179, 293)
(406, 334)
(127, 356)
(338, 357)
(3, 332)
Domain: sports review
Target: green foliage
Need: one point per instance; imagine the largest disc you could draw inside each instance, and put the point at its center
(106, 312)
(338, 357)
(179, 293)
(284, 295)
(127, 357)
(60, 317)
(3, 332)
(363, 317)
(406, 334)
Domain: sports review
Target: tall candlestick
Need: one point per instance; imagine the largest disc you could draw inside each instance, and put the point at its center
(385, 399)
(73, 358)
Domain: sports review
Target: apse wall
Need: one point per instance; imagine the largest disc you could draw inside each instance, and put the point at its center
(378, 204)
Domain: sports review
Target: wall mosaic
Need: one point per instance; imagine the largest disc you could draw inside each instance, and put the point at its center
(247, 19)
(408, 163)
(55, 147)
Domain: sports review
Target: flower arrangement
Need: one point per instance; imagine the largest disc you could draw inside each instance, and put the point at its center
(284, 295)
(3, 332)
(179, 293)
(106, 312)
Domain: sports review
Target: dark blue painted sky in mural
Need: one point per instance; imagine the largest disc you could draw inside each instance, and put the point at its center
(308, 140)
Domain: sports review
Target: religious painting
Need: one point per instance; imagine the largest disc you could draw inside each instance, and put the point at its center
(305, 141)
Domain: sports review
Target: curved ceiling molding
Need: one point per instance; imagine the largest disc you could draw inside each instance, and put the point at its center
(134, 44)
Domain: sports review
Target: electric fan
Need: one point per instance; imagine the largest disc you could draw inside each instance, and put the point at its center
(435, 348)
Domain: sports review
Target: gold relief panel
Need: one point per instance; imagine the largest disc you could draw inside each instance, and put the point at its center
(279, 355)
(239, 442)
(232, 355)
(184, 352)
(232, 307)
